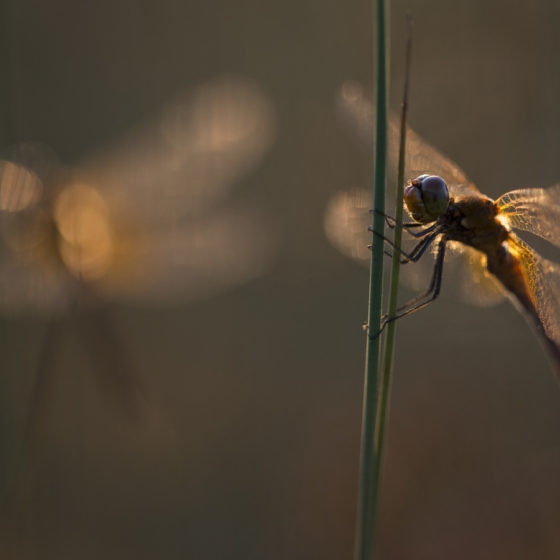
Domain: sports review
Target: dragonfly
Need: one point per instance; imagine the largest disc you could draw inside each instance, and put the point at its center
(453, 220)
(145, 219)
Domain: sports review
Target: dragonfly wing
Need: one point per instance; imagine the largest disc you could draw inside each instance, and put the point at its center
(542, 278)
(421, 157)
(189, 156)
(534, 210)
(28, 173)
(466, 269)
(20, 188)
(346, 224)
(151, 195)
(198, 259)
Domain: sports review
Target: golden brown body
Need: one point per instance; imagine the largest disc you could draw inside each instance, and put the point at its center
(473, 220)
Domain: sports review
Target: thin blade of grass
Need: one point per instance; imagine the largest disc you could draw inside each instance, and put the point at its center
(385, 384)
(365, 529)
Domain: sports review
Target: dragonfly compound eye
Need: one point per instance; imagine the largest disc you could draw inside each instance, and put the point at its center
(427, 198)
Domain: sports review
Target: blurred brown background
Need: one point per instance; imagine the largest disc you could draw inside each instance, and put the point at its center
(248, 446)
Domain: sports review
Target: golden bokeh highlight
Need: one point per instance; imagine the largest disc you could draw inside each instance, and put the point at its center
(83, 220)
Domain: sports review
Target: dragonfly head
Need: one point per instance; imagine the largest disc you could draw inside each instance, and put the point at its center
(426, 198)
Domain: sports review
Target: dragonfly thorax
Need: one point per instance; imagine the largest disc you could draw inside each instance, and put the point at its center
(426, 198)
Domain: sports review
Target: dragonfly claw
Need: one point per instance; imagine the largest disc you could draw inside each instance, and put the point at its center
(372, 337)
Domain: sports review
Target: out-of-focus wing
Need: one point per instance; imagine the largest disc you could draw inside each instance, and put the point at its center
(20, 187)
(465, 268)
(543, 281)
(28, 173)
(346, 224)
(198, 259)
(420, 156)
(189, 156)
(139, 219)
(534, 210)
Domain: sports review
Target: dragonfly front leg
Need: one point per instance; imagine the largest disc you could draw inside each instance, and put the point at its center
(423, 299)
(407, 226)
(417, 251)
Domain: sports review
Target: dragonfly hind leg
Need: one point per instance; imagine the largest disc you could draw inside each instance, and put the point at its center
(421, 300)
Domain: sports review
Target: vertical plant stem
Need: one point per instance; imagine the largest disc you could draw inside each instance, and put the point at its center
(385, 385)
(367, 505)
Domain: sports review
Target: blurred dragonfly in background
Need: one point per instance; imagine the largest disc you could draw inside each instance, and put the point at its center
(461, 225)
(139, 221)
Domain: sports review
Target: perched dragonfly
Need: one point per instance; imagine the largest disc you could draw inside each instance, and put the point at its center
(141, 220)
(450, 215)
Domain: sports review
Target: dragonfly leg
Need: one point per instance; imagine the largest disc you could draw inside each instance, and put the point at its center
(385, 251)
(421, 300)
(417, 251)
(407, 226)
(392, 222)
(422, 233)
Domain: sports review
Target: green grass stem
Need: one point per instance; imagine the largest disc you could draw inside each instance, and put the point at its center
(367, 506)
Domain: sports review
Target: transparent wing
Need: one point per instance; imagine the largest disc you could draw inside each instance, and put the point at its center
(466, 270)
(199, 259)
(534, 210)
(346, 223)
(542, 278)
(189, 156)
(421, 158)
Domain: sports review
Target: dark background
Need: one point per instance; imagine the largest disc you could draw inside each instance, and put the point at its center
(250, 448)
